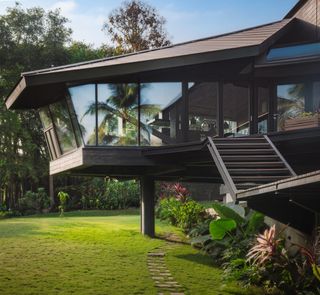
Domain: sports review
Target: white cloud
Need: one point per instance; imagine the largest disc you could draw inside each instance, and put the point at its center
(66, 7)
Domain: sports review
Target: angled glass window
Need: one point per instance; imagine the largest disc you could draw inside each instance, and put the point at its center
(295, 51)
(84, 102)
(118, 114)
(160, 113)
(74, 121)
(63, 126)
(45, 117)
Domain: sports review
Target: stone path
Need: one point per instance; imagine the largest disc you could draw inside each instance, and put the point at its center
(162, 277)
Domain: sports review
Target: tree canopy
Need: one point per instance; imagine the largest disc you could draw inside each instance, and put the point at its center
(136, 26)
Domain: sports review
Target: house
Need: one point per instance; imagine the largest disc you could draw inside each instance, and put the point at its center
(240, 108)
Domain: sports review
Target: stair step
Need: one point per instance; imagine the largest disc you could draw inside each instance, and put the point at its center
(250, 158)
(244, 165)
(240, 140)
(247, 152)
(248, 145)
(258, 179)
(259, 171)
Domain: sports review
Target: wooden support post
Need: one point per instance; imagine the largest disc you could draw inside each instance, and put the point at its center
(51, 191)
(147, 189)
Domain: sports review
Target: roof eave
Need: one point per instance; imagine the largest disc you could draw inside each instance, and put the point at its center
(16, 92)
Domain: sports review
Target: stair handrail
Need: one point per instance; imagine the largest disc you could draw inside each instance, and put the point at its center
(222, 168)
(280, 155)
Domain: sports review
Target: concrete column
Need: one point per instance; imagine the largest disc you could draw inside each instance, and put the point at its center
(147, 188)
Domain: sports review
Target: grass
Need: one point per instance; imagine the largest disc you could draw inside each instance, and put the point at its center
(95, 252)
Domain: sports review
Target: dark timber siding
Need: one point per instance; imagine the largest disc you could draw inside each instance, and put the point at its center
(309, 12)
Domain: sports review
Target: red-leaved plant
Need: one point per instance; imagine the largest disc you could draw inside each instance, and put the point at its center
(267, 247)
(176, 190)
(312, 254)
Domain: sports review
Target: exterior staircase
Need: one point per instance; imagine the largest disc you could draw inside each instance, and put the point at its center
(247, 162)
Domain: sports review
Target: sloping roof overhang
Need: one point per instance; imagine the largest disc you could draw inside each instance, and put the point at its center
(45, 85)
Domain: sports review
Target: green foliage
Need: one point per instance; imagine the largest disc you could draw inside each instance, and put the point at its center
(221, 227)
(190, 214)
(63, 199)
(229, 213)
(230, 238)
(168, 210)
(255, 220)
(98, 193)
(182, 214)
(34, 202)
(9, 214)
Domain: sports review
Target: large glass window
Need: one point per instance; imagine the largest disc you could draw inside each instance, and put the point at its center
(202, 99)
(263, 109)
(295, 51)
(83, 98)
(63, 126)
(160, 113)
(236, 110)
(291, 105)
(298, 106)
(118, 114)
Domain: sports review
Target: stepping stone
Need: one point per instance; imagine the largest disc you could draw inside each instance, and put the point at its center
(160, 254)
(158, 278)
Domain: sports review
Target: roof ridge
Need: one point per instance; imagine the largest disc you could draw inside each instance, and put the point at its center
(150, 50)
(295, 9)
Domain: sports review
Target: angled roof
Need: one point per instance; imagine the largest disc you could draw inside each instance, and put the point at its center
(245, 43)
(295, 9)
(244, 38)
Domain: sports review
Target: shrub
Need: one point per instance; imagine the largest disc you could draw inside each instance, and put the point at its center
(190, 214)
(9, 214)
(98, 193)
(34, 202)
(173, 190)
(120, 195)
(182, 214)
(168, 210)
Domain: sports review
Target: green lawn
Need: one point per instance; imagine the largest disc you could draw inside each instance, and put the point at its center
(95, 253)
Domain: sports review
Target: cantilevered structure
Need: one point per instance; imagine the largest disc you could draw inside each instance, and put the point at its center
(240, 108)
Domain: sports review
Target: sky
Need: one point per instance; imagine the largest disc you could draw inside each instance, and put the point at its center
(186, 19)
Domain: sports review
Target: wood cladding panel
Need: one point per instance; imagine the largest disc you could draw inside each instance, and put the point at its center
(309, 12)
(67, 162)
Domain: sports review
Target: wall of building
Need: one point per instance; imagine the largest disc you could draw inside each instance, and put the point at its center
(310, 12)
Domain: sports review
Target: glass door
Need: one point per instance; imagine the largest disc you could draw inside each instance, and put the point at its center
(292, 106)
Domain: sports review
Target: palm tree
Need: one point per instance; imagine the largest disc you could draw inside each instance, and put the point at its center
(293, 106)
(121, 104)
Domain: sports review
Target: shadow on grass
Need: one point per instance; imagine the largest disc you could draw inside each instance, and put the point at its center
(196, 258)
(89, 213)
(17, 229)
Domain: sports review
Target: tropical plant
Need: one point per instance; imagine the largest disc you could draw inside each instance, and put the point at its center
(266, 247)
(232, 230)
(63, 198)
(313, 254)
(176, 190)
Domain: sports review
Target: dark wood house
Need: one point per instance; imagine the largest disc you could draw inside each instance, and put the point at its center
(241, 108)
